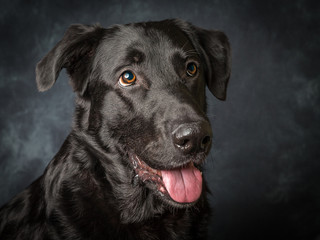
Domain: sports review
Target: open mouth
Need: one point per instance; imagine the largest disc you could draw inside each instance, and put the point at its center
(182, 184)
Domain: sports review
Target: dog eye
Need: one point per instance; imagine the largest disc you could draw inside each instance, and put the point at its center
(191, 69)
(127, 78)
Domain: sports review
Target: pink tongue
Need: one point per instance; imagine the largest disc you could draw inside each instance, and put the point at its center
(184, 185)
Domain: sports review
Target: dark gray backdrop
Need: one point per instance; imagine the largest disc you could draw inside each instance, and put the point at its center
(264, 168)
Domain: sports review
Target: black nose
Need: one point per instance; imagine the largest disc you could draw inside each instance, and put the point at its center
(192, 137)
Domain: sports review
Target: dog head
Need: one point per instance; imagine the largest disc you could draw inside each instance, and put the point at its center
(141, 100)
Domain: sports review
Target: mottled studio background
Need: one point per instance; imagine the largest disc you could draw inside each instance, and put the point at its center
(264, 169)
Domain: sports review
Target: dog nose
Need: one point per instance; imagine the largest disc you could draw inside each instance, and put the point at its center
(192, 137)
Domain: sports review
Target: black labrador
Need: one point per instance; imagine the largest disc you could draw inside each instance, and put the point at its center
(131, 166)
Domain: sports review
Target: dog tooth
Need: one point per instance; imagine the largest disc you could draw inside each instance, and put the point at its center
(135, 165)
(161, 189)
(135, 180)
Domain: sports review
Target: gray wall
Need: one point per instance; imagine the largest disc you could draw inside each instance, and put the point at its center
(264, 168)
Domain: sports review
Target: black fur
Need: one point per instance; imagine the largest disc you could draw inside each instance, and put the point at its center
(90, 189)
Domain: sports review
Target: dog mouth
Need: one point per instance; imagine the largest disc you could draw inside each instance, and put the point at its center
(182, 184)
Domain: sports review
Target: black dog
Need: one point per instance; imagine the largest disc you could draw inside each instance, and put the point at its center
(130, 168)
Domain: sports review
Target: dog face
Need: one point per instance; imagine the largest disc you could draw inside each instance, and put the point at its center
(141, 99)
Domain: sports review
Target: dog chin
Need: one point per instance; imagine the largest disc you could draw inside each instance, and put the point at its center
(180, 187)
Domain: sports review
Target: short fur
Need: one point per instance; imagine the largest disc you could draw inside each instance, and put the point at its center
(89, 189)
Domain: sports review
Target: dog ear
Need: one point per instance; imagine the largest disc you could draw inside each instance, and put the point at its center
(216, 48)
(75, 53)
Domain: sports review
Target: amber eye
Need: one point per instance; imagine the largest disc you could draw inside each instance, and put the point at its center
(191, 69)
(127, 78)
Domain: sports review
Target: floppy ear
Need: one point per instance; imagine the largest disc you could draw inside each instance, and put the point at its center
(216, 48)
(75, 53)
